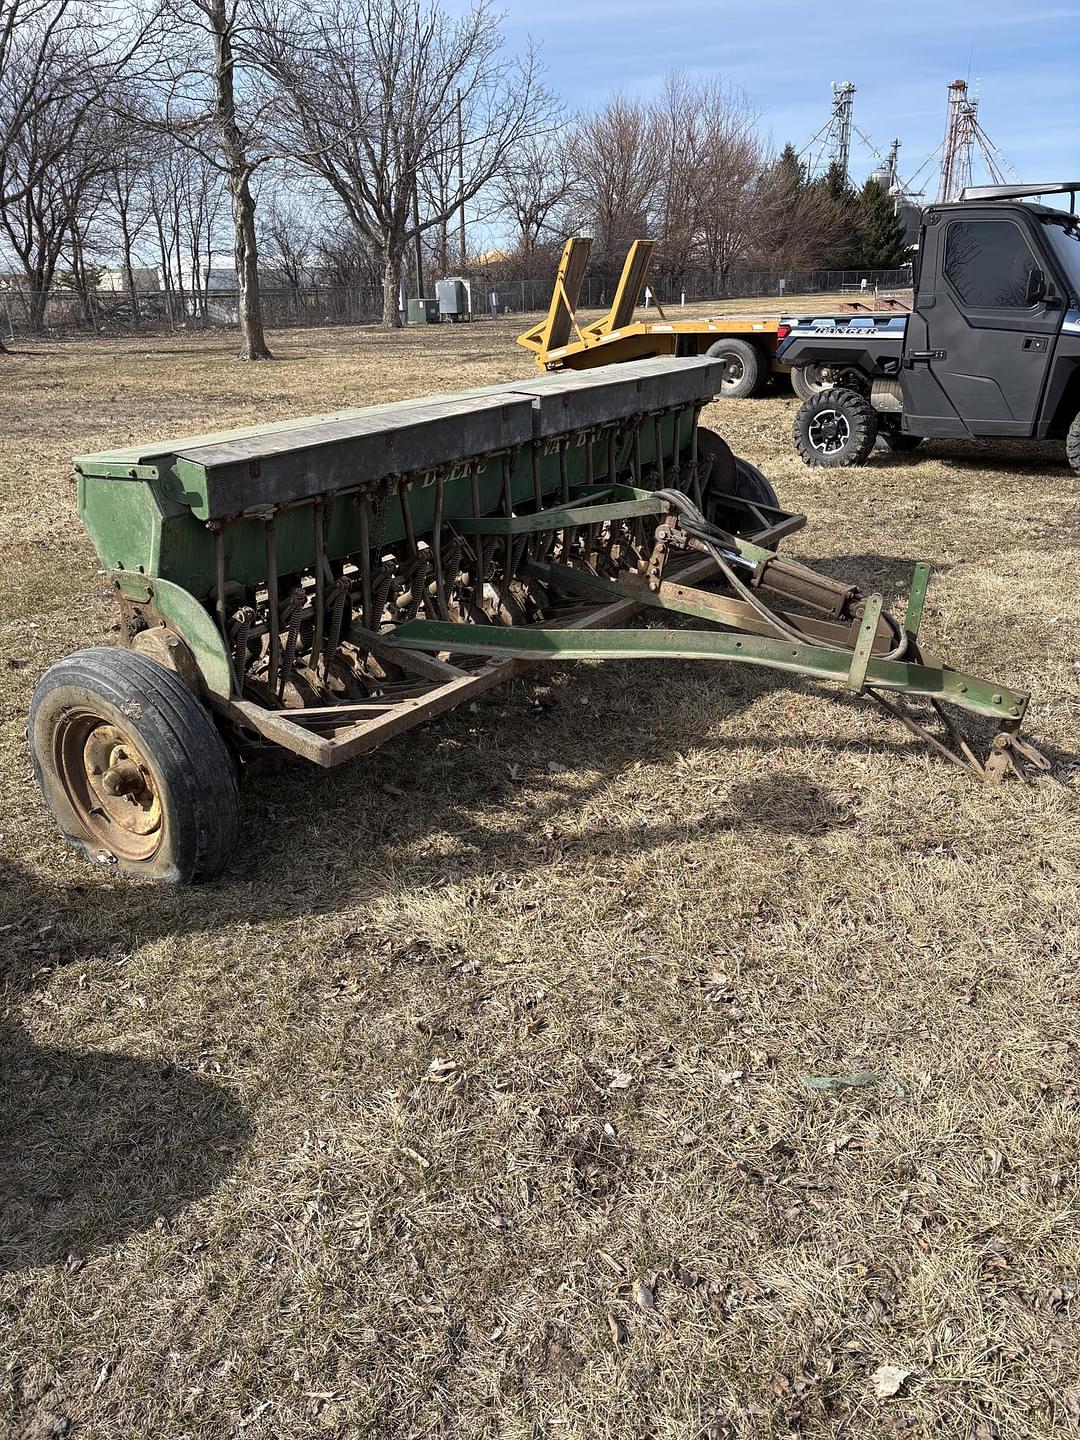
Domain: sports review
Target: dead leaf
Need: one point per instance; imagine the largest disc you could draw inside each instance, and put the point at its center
(888, 1380)
(643, 1296)
(619, 1332)
(443, 1070)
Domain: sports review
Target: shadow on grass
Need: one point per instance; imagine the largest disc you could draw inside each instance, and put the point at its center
(1017, 456)
(891, 575)
(101, 1145)
(96, 1146)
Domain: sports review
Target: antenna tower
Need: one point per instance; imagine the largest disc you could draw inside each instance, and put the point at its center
(843, 103)
(834, 137)
(961, 129)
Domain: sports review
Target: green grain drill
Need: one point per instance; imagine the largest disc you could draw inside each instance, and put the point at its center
(321, 585)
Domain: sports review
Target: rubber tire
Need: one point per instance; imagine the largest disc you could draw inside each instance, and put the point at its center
(193, 769)
(802, 389)
(805, 391)
(731, 474)
(1072, 444)
(754, 485)
(898, 442)
(755, 368)
(862, 427)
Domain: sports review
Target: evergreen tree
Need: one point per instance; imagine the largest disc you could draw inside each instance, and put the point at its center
(789, 170)
(842, 211)
(795, 225)
(882, 245)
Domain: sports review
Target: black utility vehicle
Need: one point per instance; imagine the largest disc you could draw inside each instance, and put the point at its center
(991, 347)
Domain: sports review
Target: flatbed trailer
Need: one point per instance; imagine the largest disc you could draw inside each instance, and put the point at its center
(746, 343)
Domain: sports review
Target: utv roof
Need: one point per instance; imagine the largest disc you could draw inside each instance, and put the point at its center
(1019, 192)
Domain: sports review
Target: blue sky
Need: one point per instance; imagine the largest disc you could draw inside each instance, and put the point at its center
(1024, 58)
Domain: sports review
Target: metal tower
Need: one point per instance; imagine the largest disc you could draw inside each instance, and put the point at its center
(843, 104)
(834, 137)
(892, 164)
(961, 131)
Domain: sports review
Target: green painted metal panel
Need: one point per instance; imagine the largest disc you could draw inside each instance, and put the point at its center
(917, 599)
(556, 519)
(864, 642)
(151, 525)
(192, 620)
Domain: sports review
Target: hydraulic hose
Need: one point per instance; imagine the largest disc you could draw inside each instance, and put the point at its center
(708, 535)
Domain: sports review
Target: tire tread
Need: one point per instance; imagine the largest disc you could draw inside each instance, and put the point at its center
(1072, 444)
(860, 416)
(186, 745)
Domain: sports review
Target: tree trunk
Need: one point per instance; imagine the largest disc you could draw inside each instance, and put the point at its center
(35, 322)
(129, 271)
(253, 344)
(82, 284)
(391, 285)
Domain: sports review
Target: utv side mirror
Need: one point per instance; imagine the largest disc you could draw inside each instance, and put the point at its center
(1036, 287)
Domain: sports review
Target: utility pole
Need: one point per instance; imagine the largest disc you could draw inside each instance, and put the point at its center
(461, 185)
(416, 239)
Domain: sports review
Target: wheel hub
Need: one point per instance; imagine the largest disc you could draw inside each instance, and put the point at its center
(111, 786)
(829, 432)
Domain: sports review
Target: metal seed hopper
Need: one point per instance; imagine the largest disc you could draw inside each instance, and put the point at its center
(321, 585)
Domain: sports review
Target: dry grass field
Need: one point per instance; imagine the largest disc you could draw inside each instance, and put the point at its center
(471, 1103)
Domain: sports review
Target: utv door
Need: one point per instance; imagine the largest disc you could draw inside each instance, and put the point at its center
(981, 336)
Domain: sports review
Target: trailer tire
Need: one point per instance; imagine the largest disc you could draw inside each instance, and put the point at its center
(835, 429)
(747, 368)
(808, 380)
(133, 768)
(1072, 444)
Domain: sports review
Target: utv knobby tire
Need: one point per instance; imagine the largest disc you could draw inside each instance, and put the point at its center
(835, 429)
(177, 817)
(747, 370)
(1072, 444)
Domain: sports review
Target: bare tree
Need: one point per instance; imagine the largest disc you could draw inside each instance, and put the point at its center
(708, 132)
(58, 61)
(796, 222)
(184, 194)
(618, 165)
(212, 109)
(534, 186)
(347, 261)
(48, 208)
(287, 242)
(127, 207)
(370, 93)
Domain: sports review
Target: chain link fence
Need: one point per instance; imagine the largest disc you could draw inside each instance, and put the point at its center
(62, 312)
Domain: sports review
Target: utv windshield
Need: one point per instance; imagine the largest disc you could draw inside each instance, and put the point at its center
(1064, 239)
